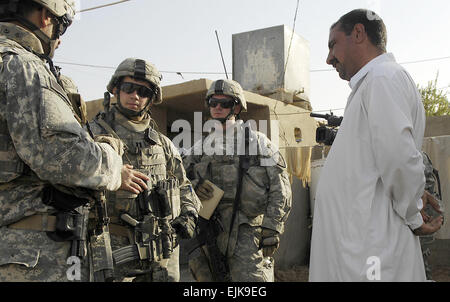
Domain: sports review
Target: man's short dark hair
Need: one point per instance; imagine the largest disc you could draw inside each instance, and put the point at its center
(373, 24)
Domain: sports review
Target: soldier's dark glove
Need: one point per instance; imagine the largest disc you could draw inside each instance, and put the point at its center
(204, 191)
(184, 225)
(270, 241)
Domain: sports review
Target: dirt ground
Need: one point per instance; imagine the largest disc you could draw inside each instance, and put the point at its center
(300, 274)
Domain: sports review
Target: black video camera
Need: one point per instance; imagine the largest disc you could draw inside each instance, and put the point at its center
(326, 134)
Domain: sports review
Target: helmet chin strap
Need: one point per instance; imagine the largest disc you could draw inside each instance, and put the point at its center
(131, 113)
(52, 47)
(50, 43)
(223, 120)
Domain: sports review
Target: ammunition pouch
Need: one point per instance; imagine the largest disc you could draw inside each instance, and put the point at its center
(155, 237)
(102, 257)
(100, 242)
(79, 106)
(60, 200)
(160, 200)
(165, 194)
(156, 242)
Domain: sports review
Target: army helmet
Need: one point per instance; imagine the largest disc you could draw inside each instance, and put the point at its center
(64, 10)
(59, 7)
(139, 70)
(229, 88)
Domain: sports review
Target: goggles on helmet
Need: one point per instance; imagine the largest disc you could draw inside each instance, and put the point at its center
(142, 91)
(63, 23)
(224, 103)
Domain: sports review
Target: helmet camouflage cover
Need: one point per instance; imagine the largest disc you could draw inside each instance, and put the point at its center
(63, 10)
(229, 88)
(139, 70)
(59, 7)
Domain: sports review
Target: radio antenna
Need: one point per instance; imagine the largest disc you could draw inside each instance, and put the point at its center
(221, 55)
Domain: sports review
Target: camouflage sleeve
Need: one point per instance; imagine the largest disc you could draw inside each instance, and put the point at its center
(429, 177)
(280, 194)
(189, 162)
(188, 198)
(46, 134)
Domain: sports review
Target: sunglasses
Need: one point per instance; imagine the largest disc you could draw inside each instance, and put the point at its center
(224, 103)
(142, 91)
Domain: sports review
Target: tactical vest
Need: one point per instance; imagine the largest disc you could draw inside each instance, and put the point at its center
(223, 171)
(146, 151)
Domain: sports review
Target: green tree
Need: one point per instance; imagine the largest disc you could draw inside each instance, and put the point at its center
(434, 99)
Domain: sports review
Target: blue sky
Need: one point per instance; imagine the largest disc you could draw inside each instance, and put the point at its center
(178, 35)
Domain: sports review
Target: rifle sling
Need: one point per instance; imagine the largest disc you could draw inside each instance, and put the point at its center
(244, 163)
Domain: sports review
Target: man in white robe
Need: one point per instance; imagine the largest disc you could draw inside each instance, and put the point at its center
(367, 209)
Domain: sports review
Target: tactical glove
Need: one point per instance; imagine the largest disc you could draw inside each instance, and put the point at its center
(204, 191)
(115, 143)
(270, 241)
(184, 225)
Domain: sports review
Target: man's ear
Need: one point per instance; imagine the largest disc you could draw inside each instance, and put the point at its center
(237, 109)
(114, 91)
(45, 17)
(359, 33)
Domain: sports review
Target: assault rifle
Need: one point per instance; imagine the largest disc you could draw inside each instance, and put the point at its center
(208, 230)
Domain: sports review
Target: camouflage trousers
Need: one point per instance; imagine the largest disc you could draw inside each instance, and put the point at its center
(425, 244)
(27, 256)
(163, 271)
(246, 264)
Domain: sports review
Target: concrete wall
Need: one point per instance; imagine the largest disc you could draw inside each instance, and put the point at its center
(259, 60)
(437, 125)
(296, 240)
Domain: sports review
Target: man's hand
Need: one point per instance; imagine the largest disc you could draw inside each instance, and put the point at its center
(270, 241)
(430, 225)
(204, 191)
(428, 198)
(429, 228)
(133, 181)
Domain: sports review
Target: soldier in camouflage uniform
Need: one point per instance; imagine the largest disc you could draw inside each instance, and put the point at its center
(248, 238)
(430, 210)
(136, 86)
(43, 148)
